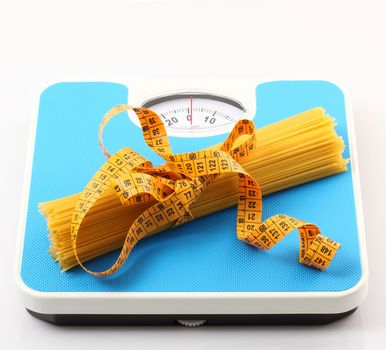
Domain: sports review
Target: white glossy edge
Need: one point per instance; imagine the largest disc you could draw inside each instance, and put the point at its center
(200, 302)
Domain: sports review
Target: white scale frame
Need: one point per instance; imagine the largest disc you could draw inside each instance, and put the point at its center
(196, 303)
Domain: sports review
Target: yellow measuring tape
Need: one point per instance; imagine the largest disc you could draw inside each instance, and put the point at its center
(176, 184)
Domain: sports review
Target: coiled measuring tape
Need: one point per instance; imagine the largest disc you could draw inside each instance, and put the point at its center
(176, 184)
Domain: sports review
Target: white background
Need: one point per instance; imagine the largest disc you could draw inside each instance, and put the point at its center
(344, 41)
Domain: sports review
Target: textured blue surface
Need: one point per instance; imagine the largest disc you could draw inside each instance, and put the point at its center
(204, 255)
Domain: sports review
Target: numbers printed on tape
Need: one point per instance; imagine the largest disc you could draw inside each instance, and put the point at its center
(176, 184)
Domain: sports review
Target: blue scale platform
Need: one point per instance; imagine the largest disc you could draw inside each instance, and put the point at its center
(204, 255)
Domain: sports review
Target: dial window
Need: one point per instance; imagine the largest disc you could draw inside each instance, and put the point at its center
(194, 114)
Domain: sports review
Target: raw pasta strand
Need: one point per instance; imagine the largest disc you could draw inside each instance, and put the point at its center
(292, 151)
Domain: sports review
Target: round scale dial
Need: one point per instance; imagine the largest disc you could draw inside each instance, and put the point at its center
(196, 114)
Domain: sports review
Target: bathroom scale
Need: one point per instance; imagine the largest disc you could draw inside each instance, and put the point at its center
(198, 273)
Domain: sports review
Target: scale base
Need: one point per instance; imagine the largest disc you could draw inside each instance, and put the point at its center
(200, 271)
(168, 320)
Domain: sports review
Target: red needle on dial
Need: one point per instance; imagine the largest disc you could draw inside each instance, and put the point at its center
(191, 110)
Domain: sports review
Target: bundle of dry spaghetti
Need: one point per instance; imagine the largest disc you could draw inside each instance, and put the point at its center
(290, 152)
